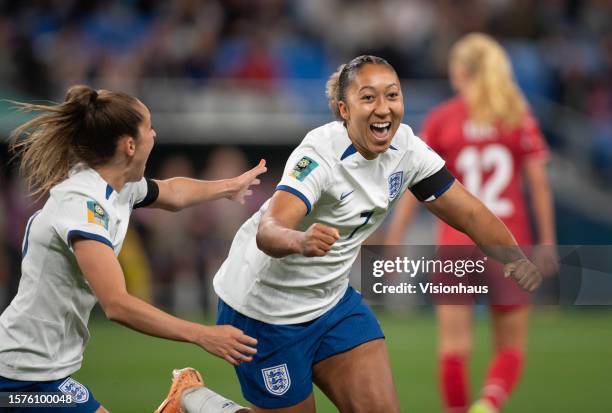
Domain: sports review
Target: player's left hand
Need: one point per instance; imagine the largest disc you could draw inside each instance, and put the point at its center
(525, 273)
(240, 185)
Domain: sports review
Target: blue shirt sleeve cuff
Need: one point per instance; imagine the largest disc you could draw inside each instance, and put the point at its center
(297, 193)
(88, 235)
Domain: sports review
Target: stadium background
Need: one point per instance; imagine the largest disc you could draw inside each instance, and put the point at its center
(229, 82)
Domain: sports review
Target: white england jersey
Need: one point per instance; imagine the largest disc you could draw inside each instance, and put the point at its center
(43, 332)
(341, 189)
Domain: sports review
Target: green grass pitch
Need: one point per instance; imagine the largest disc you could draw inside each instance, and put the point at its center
(569, 364)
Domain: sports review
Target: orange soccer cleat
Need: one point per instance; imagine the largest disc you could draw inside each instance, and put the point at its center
(182, 380)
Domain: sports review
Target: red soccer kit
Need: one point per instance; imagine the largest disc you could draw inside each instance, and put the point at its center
(488, 161)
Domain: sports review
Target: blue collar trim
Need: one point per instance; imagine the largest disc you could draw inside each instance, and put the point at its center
(109, 191)
(348, 152)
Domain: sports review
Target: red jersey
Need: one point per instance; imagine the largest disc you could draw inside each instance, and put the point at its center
(487, 161)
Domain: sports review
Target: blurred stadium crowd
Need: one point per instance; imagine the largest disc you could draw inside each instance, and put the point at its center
(561, 51)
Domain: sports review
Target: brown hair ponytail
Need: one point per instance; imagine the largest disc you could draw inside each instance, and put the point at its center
(84, 128)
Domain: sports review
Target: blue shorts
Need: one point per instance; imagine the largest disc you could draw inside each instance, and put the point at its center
(280, 374)
(85, 402)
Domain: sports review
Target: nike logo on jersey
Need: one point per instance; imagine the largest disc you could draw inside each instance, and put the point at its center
(342, 196)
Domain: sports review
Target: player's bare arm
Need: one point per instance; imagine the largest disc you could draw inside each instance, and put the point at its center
(277, 236)
(545, 254)
(179, 193)
(464, 212)
(536, 178)
(104, 274)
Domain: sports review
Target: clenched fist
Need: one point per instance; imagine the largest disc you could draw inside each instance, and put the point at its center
(525, 273)
(318, 240)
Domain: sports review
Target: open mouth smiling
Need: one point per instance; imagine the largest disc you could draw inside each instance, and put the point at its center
(380, 130)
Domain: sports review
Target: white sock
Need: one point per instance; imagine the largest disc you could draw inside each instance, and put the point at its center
(204, 400)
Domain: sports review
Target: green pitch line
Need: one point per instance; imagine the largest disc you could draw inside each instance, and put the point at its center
(569, 364)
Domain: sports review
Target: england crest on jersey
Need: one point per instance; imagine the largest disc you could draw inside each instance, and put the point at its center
(277, 379)
(75, 389)
(395, 184)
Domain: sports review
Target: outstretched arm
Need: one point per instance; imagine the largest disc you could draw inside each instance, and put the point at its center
(103, 272)
(179, 193)
(464, 212)
(277, 236)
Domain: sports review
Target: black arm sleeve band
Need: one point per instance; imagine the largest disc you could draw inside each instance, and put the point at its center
(433, 186)
(152, 194)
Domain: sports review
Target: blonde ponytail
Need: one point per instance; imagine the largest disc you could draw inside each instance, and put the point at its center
(491, 94)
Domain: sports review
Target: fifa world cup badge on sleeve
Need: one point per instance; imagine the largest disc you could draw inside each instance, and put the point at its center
(277, 379)
(304, 166)
(96, 214)
(395, 184)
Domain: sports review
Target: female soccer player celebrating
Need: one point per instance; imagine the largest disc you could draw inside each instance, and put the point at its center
(89, 154)
(490, 141)
(285, 281)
